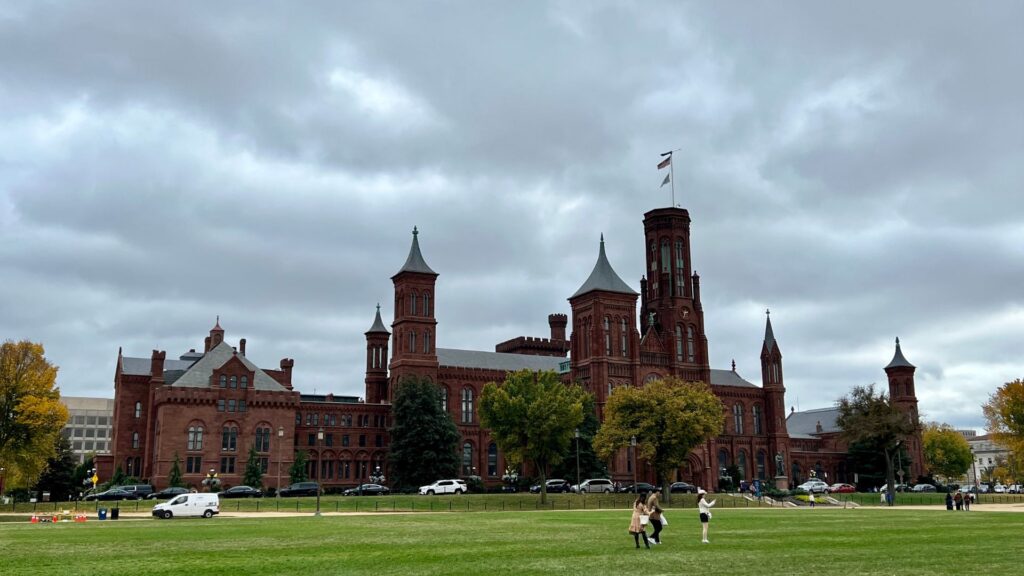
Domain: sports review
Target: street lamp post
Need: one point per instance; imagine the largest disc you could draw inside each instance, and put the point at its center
(2, 474)
(632, 443)
(576, 433)
(319, 437)
(211, 481)
(280, 440)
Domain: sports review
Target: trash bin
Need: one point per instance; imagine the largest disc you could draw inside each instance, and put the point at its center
(114, 513)
(101, 513)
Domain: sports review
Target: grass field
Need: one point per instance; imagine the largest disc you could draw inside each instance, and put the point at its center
(743, 541)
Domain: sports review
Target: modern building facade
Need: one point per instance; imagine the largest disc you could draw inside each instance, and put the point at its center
(90, 425)
(208, 408)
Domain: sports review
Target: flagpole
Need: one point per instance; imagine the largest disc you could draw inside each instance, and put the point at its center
(672, 179)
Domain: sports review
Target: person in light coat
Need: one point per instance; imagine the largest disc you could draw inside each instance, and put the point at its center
(636, 528)
(655, 512)
(705, 513)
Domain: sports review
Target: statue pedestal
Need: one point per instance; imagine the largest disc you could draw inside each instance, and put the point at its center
(782, 483)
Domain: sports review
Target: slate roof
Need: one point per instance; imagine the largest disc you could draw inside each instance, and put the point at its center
(769, 334)
(496, 360)
(804, 424)
(898, 361)
(415, 261)
(378, 325)
(603, 278)
(197, 375)
(729, 378)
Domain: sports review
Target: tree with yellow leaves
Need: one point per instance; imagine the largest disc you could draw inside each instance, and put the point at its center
(1004, 412)
(31, 413)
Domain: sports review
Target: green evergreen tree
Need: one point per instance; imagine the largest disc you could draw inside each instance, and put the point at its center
(174, 476)
(58, 478)
(297, 472)
(253, 476)
(423, 438)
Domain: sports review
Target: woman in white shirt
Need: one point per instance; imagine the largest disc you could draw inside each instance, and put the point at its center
(705, 513)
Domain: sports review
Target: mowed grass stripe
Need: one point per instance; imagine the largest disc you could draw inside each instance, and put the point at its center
(743, 541)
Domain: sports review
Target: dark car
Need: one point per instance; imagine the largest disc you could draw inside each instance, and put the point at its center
(113, 494)
(301, 489)
(682, 488)
(167, 493)
(554, 486)
(641, 488)
(241, 492)
(367, 490)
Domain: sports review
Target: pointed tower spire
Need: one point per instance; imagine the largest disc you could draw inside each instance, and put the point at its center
(415, 261)
(603, 277)
(378, 324)
(898, 360)
(769, 334)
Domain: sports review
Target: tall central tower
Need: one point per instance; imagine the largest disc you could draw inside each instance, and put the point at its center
(670, 294)
(413, 350)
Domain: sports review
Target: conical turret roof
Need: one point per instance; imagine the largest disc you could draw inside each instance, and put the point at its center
(378, 325)
(603, 278)
(769, 334)
(898, 360)
(415, 262)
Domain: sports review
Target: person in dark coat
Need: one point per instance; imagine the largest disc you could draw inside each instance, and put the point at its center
(949, 500)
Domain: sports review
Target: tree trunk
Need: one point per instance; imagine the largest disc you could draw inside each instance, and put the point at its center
(890, 479)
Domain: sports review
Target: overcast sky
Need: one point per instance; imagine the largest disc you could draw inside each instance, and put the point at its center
(856, 167)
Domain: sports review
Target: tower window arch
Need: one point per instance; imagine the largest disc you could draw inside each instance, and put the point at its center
(467, 459)
(426, 304)
(756, 410)
(607, 336)
(623, 333)
(737, 418)
(138, 409)
(679, 343)
(741, 463)
(195, 437)
(223, 380)
(412, 304)
(244, 382)
(426, 341)
(690, 355)
(233, 382)
(654, 257)
(467, 405)
(412, 341)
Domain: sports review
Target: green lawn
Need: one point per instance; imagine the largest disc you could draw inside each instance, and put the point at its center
(743, 541)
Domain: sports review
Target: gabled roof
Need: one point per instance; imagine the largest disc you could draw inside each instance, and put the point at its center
(197, 375)
(898, 361)
(415, 261)
(603, 278)
(805, 424)
(496, 360)
(378, 325)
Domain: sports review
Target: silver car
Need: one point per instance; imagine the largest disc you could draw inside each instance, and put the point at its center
(599, 485)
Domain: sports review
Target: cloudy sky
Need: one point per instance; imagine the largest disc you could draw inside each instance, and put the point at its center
(857, 168)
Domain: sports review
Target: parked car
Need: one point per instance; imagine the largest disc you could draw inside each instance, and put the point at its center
(814, 485)
(300, 489)
(999, 489)
(367, 490)
(640, 488)
(1014, 488)
(595, 485)
(842, 488)
(167, 493)
(899, 488)
(241, 492)
(923, 488)
(682, 488)
(455, 486)
(140, 490)
(188, 505)
(556, 485)
(113, 494)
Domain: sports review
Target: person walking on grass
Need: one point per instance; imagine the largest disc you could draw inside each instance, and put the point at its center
(638, 522)
(705, 513)
(655, 512)
(810, 498)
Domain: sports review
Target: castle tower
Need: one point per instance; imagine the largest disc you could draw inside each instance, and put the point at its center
(216, 336)
(413, 350)
(604, 343)
(671, 299)
(773, 382)
(377, 361)
(900, 373)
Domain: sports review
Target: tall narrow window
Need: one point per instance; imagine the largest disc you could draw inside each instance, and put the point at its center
(467, 405)
(233, 382)
(666, 257)
(690, 356)
(737, 418)
(623, 333)
(244, 382)
(229, 439)
(757, 418)
(223, 381)
(741, 463)
(426, 303)
(412, 341)
(761, 460)
(679, 343)
(443, 398)
(467, 459)
(195, 438)
(680, 274)
(492, 459)
(135, 439)
(412, 304)
(138, 409)
(426, 341)
(654, 257)
(607, 336)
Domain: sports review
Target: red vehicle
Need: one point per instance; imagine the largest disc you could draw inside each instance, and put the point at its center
(840, 488)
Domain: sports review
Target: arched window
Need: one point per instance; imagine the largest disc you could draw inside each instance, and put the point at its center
(443, 394)
(737, 418)
(492, 459)
(623, 333)
(223, 381)
(244, 382)
(680, 261)
(690, 356)
(412, 304)
(679, 343)
(412, 341)
(233, 382)
(135, 439)
(761, 462)
(263, 439)
(229, 438)
(723, 461)
(607, 336)
(757, 418)
(654, 259)
(467, 459)
(666, 257)
(467, 405)
(796, 473)
(426, 341)
(138, 409)
(195, 438)
(426, 303)
(741, 463)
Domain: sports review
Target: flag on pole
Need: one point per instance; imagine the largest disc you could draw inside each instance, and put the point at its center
(666, 180)
(665, 163)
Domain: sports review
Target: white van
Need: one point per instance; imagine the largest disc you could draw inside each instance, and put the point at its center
(188, 505)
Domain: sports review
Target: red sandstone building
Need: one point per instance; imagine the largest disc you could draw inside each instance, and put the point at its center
(208, 408)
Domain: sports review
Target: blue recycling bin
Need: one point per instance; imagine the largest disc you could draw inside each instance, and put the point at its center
(102, 513)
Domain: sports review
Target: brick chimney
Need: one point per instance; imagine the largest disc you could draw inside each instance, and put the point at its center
(156, 366)
(286, 366)
(241, 346)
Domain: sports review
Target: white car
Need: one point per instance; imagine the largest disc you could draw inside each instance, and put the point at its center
(818, 486)
(999, 489)
(445, 487)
